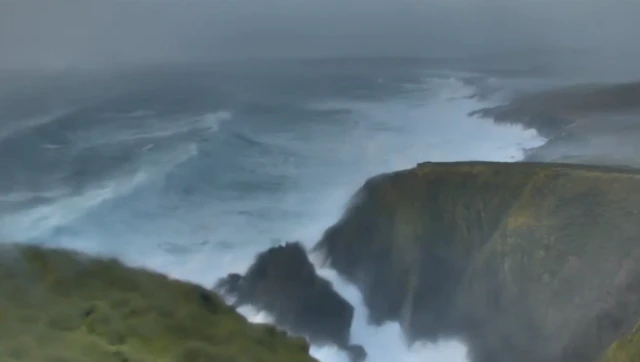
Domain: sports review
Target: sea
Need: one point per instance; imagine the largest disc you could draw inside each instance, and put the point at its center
(191, 170)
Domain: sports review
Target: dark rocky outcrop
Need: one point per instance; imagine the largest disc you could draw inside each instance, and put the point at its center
(527, 262)
(283, 282)
(57, 305)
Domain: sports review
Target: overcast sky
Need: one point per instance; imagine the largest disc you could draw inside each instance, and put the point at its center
(102, 32)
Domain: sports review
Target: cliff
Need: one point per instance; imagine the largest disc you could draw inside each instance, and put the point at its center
(56, 305)
(526, 261)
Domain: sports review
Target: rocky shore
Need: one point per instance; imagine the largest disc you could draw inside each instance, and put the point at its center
(524, 261)
(529, 262)
(534, 262)
(585, 123)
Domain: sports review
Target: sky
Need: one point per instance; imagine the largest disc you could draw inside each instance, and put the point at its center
(102, 33)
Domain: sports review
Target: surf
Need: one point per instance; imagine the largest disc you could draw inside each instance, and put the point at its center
(208, 202)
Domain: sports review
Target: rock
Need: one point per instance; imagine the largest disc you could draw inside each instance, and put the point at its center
(520, 260)
(57, 305)
(283, 282)
(356, 353)
(621, 300)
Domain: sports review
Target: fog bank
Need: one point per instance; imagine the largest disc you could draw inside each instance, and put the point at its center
(101, 33)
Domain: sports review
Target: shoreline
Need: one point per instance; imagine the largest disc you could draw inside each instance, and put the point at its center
(591, 124)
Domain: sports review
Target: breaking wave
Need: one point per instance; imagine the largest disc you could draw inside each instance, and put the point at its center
(197, 194)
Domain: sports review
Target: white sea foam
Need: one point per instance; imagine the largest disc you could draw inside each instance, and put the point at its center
(218, 236)
(151, 128)
(383, 137)
(384, 343)
(28, 223)
(9, 128)
(436, 129)
(64, 206)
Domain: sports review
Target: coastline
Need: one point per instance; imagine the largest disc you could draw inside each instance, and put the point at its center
(586, 123)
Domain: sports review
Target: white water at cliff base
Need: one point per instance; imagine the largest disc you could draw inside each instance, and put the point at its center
(437, 130)
(294, 181)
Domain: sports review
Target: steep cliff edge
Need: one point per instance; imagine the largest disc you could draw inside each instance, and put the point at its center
(525, 261)
(56, 305)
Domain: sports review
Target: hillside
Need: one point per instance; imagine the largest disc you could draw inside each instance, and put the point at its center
(56, 305)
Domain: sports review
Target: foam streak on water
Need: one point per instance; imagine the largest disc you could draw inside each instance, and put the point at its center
(437, 130)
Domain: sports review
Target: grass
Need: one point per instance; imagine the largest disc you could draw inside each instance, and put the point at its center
(626, 349)
(56, 305)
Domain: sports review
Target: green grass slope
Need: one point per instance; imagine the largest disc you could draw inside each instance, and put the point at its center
(58, 306)
(626, 349)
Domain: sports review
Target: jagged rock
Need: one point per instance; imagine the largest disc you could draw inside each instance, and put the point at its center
(356, 353)
(57, 305)
(523, 261)
(283, 282)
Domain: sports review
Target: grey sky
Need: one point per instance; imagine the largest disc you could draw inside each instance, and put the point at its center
(102, 32)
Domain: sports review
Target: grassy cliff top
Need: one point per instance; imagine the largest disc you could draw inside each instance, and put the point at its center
(515, 256)
(626, 349)
(57, 306)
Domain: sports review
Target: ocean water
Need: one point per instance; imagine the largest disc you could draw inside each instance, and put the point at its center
(192, 172)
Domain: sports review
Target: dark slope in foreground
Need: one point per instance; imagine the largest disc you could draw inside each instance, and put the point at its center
(61, 306)
(527, 262)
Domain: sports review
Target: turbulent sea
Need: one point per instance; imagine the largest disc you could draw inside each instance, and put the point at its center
(191, 171)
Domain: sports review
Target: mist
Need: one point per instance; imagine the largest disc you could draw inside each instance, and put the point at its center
(110, 33)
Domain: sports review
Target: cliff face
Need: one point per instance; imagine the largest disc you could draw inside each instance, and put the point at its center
(60, 306)
(526, 261)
